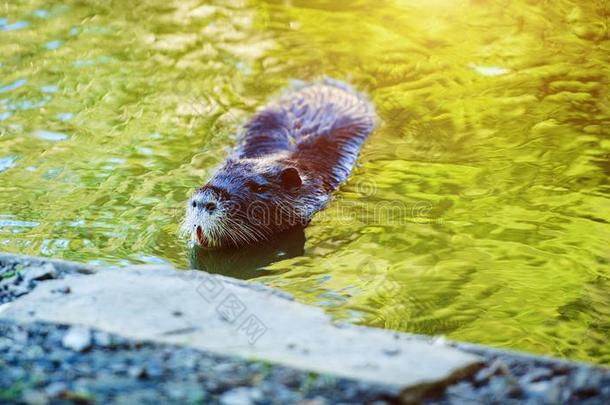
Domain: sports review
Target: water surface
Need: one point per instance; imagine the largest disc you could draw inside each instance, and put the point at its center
(480, 208)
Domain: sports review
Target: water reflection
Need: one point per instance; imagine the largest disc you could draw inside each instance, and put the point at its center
(15, 85)
(494, 136)
(249, 262)
(51, 135)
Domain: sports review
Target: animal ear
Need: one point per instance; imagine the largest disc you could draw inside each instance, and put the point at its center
(291, 178)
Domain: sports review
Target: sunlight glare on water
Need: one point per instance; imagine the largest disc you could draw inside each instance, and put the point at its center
(479, 209)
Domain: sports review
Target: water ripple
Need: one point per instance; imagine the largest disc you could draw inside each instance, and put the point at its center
(15, 85)
(51, 135)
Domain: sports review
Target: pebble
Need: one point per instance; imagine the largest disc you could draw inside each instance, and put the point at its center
(19, 290)
(497, 367)
(314, 401)
(586, 383)
(56, 389)
(78, 338)
(102, 339)
(35, 352)
(544, 391)
(461, 393)
(505, 387)
(137, 372)
(154, 369)
(538, 374)
(32, 397)
(241, 396)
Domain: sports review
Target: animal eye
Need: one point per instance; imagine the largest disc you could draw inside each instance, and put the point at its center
(257, 188)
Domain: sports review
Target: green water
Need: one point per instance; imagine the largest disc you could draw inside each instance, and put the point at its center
(480, 209)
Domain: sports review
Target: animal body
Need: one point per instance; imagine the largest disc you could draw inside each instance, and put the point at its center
(292, 155)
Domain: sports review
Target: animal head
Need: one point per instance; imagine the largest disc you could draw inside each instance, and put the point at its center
(246, 201)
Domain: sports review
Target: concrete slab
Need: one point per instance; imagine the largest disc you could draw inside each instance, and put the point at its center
(232, 317)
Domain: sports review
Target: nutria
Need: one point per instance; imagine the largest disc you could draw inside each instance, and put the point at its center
(293, 154)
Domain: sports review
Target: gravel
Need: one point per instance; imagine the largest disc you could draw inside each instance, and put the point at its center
(78, 338)
(19, 278)
(515, 378)
(46, 363)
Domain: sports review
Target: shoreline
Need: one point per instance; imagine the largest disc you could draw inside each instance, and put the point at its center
(63, 307)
